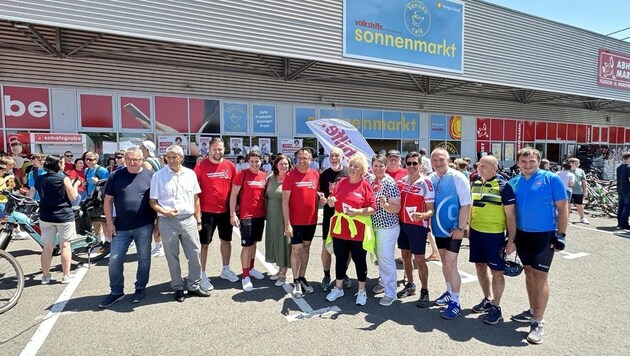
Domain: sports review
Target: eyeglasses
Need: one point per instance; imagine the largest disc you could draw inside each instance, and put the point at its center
(412, 163)
(133, 160)
(90, 159)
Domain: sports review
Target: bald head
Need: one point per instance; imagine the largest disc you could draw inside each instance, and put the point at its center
(487, 167)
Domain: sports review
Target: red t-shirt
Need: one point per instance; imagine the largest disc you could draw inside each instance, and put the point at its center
(398, 176)
(75, 173)
(215, 181)
(354, 195)
(413, 198)
(304, 200)
(252, 195)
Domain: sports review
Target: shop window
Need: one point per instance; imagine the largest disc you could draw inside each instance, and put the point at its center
(96, 111)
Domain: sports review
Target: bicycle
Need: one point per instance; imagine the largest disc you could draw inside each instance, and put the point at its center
(11, 281)
(23, 212)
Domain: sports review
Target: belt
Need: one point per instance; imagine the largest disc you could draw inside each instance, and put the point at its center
(183, 216)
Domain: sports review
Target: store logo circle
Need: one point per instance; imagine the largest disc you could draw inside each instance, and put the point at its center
(417, 18)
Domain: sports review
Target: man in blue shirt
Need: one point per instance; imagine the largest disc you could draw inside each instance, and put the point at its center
(541, 216)
(127, 190)
(623, 189)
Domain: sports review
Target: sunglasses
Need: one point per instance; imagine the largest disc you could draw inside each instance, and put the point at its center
(412, 163)
(119, 157)
(90, 159)
(69, 156)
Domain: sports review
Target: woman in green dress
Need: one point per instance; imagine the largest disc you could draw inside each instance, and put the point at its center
(277, 245)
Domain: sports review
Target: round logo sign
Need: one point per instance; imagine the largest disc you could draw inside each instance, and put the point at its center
(417, 18)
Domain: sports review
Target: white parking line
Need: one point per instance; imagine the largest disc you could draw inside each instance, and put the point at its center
(466, 277)
(36, 342)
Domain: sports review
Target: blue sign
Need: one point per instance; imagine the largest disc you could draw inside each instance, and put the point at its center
(353, 116)
(391, 123)
(409, 125)
(421, 33)
(302, 115)
(372, 124)
(438, 127)
(235, 117)
(328, 114)
(264, 118)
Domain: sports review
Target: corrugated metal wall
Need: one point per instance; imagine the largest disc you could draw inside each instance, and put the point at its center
(502, 46)
(18, 67)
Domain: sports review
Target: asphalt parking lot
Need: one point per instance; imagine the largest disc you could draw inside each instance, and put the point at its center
(588, 311)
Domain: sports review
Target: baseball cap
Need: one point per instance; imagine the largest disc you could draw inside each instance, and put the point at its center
(150, 146)
(393, 153)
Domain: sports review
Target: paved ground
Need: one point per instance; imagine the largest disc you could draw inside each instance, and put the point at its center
(588, 311)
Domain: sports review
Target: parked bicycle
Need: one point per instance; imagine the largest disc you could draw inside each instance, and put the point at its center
(23, 212)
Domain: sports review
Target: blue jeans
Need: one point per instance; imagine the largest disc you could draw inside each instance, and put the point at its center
(623, 212)
(142, 236)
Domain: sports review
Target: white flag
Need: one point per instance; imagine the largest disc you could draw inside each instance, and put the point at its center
(339, 133)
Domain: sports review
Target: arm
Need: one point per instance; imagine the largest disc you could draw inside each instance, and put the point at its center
(198, 211)
(71, 188)
(161, 210)
(462, 226)
(233, 195)
(428, 212)
(288, 230)
(563, 215)
(585, 187)
(510, 215)
(110, 229)
(391, 205)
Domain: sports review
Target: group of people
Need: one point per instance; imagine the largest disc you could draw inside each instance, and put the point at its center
(368, 207)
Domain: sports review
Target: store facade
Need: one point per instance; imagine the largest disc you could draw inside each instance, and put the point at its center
(480, 79)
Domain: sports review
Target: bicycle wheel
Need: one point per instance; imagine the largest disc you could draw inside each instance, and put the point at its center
(11, 281)
(91, 253)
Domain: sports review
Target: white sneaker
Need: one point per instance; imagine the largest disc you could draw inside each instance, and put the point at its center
(47, 280)
(280, 281)
(334, 294)
(256, 274)
(361, 297)
(584, 221)
(205, 284)
(229, 275)
(22, 235)
(247, 284)
(158, 251)
(67, 279)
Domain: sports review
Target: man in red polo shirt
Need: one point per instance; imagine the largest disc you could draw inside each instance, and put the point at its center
(215, 176)
(299, 208)
(394, 169)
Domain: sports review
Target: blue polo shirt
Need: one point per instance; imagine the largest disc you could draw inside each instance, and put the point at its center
(535, 200)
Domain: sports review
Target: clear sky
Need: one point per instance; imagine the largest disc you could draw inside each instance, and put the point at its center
(601, 16)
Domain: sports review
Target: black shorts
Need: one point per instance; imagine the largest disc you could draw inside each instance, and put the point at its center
(302, 233)
(534, 249)
(413, 238)
(577, 199)
(210, 222)
(252, 230)
(448, 244)
(486, 247)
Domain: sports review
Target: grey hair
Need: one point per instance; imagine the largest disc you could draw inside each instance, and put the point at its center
(134, 150)
(176, 149)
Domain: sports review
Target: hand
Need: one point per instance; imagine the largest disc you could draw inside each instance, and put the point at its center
(331, 201)
(352, 212)
(172, 213)
(510, 247)
(417, 216)
(383, 201)
(94, 179)
(199, 226)
(110, 231)
(457, 234)
(234, 220)
(288, 231)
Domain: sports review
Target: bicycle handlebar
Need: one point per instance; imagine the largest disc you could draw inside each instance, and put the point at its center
(23, 199)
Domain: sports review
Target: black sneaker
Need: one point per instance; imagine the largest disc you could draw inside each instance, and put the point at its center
(111, 299)
(410, 289)
(483, 307)
(137, 296)
(494, 315)
(423, 302)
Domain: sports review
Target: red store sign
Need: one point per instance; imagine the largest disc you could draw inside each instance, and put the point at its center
(26, 108)
(613, 70)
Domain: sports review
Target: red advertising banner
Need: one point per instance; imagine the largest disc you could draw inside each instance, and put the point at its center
(27, 108)
(541, 131)
(562, 131)
(612, 134)
(614, 70)
(603, 135)
(519, 135)
(483, 146)
(627, 136)
(552, 130)
(595, 134)
(496, 130)
(483, 129)
(528, 131)
(509, 130)
(97, 111)
(171, 114)
(571, 132)
(205, 116)
(135, 113)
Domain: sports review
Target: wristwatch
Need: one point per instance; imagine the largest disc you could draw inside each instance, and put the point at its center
(461, 229)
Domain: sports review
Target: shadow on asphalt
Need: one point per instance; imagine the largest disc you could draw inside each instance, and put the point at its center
(154, 294)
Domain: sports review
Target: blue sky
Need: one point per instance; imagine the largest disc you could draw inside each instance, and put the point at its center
(603, 16)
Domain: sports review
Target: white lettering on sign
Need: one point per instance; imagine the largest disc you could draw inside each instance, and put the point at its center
(16, 108)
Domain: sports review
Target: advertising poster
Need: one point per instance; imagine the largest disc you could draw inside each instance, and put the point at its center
(171, 114)
(205, 116)
(509, 152)
(135, 113)
(496, 150)
(164, 141)
(264, 118)
(264, 144)
(26, 108)
(235, 117)
(19, 148)
(613, 69)
(290, 146)
(236, 146)
(204, 145)
(438, 127)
